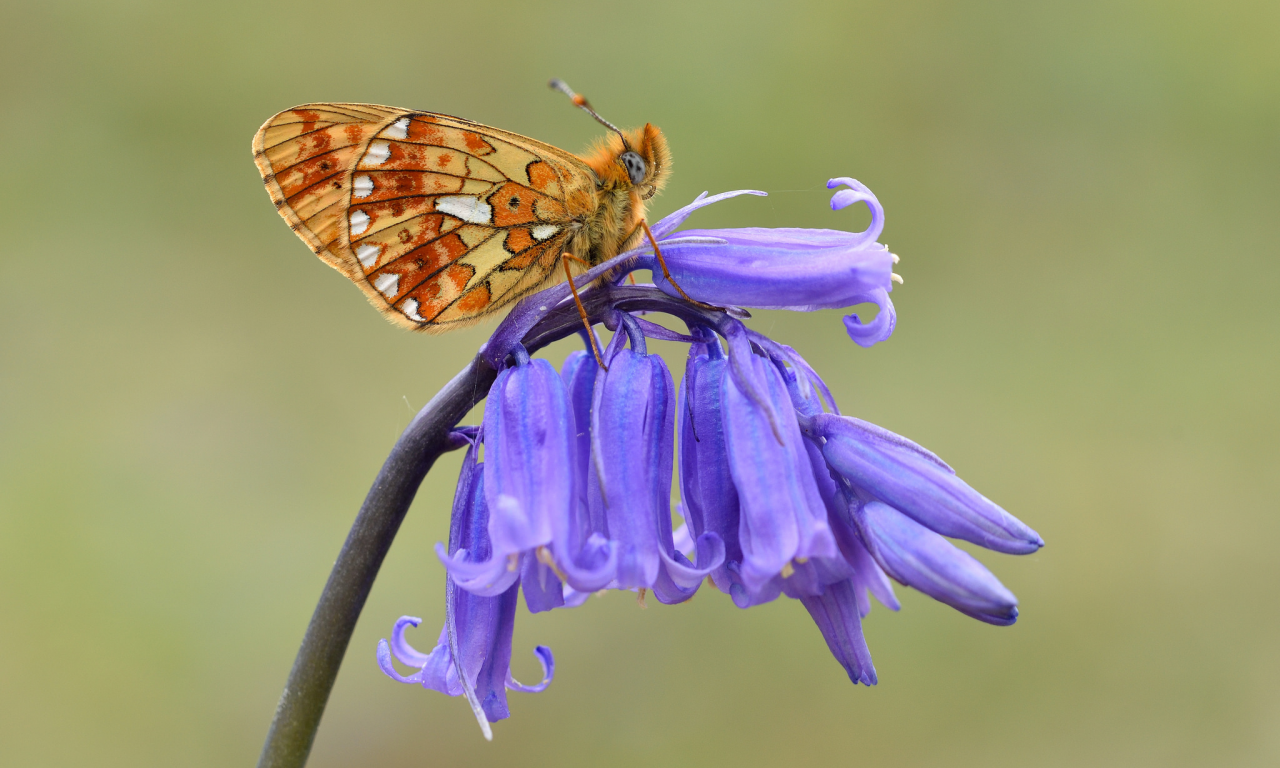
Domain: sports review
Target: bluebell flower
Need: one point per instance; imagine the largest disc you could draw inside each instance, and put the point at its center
(781, 494)
(796, 269)
(477, 629)
(528, 485)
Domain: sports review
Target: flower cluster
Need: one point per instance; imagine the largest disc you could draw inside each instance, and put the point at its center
(780, 493)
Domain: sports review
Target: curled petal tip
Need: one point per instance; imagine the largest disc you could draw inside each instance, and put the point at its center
(844, 198)
(879, 329)
(384, 663)
(857, 192)
(548, 662)
(845, 181)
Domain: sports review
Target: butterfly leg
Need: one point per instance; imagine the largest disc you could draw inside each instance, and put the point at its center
(662, 262)
(582, 311)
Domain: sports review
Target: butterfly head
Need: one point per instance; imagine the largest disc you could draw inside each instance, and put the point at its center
(635, 160)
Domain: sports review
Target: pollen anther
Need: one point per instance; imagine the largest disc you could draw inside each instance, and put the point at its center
(546, 558)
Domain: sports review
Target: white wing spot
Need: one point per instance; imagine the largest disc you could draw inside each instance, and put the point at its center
(378, 153)
(368, 255)
(410, 308)
(398, 130)
(362, 187)
(388, 283)
(359, 222)
(543, 231)
(465, 207)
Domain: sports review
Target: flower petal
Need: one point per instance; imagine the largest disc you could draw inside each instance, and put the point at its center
(858, 192)
(582, 551)
(920, 558)
(388, 669)
(782, 513)
(528, 468)
(540, 584)
(917, 483)
(491, 679)
(836, 613)
(678, 578)
(633, 446)
(868, 334)
(405, 653)
(667, 224)
(867, 575)
(548, 662)
(709, 498)
(797, 269)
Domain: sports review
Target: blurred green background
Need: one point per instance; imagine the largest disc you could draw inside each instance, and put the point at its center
(192, 406)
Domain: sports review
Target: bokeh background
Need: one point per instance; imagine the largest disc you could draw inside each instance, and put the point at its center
(192, 406)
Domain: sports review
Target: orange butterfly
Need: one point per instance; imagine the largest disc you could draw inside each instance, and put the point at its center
(441, 221)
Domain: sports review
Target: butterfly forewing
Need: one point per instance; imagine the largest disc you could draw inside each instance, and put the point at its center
(439, 220)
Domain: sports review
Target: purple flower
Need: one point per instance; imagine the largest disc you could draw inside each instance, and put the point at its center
(477, 629)
(628, 488)
(781, 494)
(913, 480)
(783, 517)
(528, 483)
(920, 558)
(796, 269)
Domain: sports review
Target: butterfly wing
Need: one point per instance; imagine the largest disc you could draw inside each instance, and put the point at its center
(439, 220)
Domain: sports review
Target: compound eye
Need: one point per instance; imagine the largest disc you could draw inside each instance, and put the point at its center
(635, 166)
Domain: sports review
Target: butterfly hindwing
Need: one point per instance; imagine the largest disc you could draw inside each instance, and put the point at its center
(438, 220)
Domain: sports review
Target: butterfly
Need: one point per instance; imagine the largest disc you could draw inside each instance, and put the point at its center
(442, 221)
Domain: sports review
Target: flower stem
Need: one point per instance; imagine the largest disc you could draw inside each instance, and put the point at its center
(316, 667)
(297, 716)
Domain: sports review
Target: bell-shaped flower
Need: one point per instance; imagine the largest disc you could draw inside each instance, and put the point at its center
(909, 478)
(920, 558)
(795, 269)
(783, 517)
(583, 551)
(473, 655)
(708, 495)
(528, 468)
(629, 485)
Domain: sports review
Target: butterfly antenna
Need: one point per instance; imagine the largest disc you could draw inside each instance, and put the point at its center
(581, 101)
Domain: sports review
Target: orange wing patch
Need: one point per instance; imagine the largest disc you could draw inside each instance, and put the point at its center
(437, 219)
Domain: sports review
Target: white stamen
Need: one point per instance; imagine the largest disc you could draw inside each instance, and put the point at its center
(465, 207)
(378, 153)
(895, 258)
(362, 187)
(359, 222)
(368, 255)
(895, 277)
(543, 231)
(398, 130)
(388, 283)
(411, 307)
